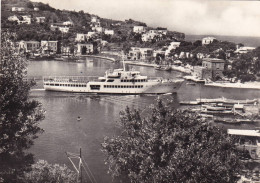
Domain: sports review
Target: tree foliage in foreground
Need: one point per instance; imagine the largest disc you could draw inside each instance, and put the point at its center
(42, 171)
(19, 115)
(170, 146)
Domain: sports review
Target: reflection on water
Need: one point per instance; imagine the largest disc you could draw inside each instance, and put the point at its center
(99, 113)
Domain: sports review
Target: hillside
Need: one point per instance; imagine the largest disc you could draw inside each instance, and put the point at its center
(123, 30)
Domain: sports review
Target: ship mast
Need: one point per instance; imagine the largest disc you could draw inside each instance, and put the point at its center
(123, 60)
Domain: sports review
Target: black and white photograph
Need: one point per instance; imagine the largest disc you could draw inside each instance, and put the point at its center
(130, 91)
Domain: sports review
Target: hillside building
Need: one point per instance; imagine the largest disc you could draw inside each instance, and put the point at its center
(18, 9)
(36, 9)
(211, 69)
(40, 19)
(139, 29)
(86, 48)
(13, 18)
(207, 40)
(140, 53)
(29, 46)
(49, 46)
(81, 37)
(244, 49)
(109, 32)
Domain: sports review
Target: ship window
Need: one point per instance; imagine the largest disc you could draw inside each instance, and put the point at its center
(77, 85)
(95, 87)
(115, 86)
(57, 85)
(110, 80)
(52, 84)
(105, 86)
(47, 84)
(84, 85)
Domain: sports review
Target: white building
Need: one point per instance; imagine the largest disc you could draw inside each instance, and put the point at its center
(13, 18)
(40, 19)
(81, 37)
(18, 9)
(98, 29)
(26, 19)
(85, 48)
(207, 40)
(172, 46)
(36, 9)
(139, 29)
(64, 29)
(109, 32)
(29, 46)
(244, 49)
(94, 19)
(91, 34)
(149, 36)
(69, 23)
(49, 46)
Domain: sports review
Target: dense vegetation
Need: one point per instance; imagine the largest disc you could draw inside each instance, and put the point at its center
(170, 146)
(19, 122)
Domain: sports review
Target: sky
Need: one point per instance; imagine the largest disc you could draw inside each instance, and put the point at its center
(196, 17)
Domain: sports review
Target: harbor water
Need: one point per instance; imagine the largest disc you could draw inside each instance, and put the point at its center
(99, 113)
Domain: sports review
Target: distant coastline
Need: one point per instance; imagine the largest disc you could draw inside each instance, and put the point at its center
(246, 40)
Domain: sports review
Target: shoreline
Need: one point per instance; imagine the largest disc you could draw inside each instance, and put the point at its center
(247, 85)
(102, 57)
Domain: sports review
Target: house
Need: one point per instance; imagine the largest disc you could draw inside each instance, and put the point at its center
(207, 40)
(139, 29)
(146, 53)
(64, 29)
(244, 49)
(109, 32)
(60, 27)
(49, 46)
(40, 19)
(13, 18)
(29, 46)
(98, 29)
(158, 52)
(68, 23)
(94, 19)
(162, 30)
(36, 9)
(86, 48)
(149, 36)
(172, 46)
(134, 53)
(91, 34)
(26, 19)
(81, 37)
(211, 68)
(140, 53)
(18, 9)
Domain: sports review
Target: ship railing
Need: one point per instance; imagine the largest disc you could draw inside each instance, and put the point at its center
(70, 79)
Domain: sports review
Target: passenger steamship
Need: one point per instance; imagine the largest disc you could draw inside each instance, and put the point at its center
(118, 81)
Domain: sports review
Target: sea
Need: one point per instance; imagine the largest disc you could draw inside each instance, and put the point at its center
(246, 40)
(100, 113)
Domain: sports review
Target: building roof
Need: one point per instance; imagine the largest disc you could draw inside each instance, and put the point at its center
(213, 60)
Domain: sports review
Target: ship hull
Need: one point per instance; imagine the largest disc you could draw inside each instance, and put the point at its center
(158, 87)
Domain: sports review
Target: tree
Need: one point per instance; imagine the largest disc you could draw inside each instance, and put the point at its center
(170, 145)
(30, 5)
(19, 115)
(42, 171)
